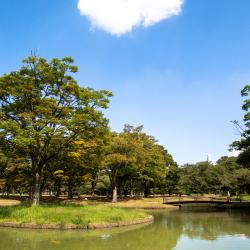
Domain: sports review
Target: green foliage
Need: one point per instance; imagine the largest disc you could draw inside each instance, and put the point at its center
(135, 161)
(193, 178)
(54, 138)
(43, 111)
(243, 144)
(170, 185)
(204, 177)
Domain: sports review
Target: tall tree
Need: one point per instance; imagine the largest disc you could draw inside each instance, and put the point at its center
(172, 179)
(154, 165)
(243, 144)
(193, 178)
(43, 110)
(122, 153)
(135, 157)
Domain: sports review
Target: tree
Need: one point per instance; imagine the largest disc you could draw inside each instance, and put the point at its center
(122, 152)
(172, 179)
(204, 177)
(154, 166)
(43, 111)
(80, 162)
(243, 144)
(193, 178)
(3, 171)
(134, 160)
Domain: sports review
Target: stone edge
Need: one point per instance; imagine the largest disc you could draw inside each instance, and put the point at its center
(91, 226)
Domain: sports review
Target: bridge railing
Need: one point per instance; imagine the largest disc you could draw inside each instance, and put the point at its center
(194, 198)
(173, 199)
(228, 199)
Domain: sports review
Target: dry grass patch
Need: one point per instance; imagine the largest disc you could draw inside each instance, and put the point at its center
(6, 202)
(145, 203)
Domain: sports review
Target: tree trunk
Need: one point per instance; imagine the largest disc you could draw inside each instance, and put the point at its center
(30, 193)
(58, 192)
(114, 185)
(93, 185)
(146, 189)
(131, 188)
(70, 190)
(114, 196)
(125, 192)
(58, 187)
(131, 193)
(43, 182)
(36, 188)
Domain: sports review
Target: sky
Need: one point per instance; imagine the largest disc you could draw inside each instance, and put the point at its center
(175, 66)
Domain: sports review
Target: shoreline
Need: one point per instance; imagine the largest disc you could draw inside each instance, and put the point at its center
(90, 226)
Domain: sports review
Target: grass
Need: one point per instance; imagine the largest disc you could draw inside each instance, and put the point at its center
(68, 214)
(244, 197)
(143, 203)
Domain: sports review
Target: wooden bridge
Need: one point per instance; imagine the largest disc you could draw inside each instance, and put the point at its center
(179, 201)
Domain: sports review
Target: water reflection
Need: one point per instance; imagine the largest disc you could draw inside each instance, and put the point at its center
(171, 230)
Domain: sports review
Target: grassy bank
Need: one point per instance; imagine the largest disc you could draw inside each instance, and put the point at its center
(245, 197)
(68, 214)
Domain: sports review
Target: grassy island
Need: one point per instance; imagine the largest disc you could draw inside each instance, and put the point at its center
(71, 216)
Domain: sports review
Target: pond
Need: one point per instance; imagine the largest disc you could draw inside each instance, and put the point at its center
(179, 230)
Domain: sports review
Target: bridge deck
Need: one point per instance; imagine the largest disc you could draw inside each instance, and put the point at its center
(196, 201)
(192, 200)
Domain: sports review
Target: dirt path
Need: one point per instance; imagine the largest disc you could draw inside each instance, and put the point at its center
(6, 202)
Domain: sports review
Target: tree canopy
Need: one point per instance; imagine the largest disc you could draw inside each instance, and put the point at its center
(243, 145)
(43, 111)
(55, 139)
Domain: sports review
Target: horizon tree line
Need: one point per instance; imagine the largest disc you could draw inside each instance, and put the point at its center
(55, 138)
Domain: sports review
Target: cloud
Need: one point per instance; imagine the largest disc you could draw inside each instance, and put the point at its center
(121, 16)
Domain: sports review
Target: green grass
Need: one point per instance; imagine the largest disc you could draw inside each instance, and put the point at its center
(243, 197)
(68, 214)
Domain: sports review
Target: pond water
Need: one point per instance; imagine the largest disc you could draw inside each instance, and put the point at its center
(179, 230)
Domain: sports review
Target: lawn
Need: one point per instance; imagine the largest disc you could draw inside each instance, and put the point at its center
(68, 214)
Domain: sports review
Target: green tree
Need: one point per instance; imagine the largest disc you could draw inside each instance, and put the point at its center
(3, 171)
(172, 179)
(154, 166)
(135, 161)
(122, 153)
(204, 177)
(43, 111)
(193, 178)
(80, 163)
(243, 144)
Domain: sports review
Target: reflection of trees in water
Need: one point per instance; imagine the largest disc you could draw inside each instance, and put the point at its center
(162, 235)
(209, 226)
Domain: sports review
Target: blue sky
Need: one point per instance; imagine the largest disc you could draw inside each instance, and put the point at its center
(181, 77)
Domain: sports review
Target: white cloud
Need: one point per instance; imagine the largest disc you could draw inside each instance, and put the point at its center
(121, 16)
